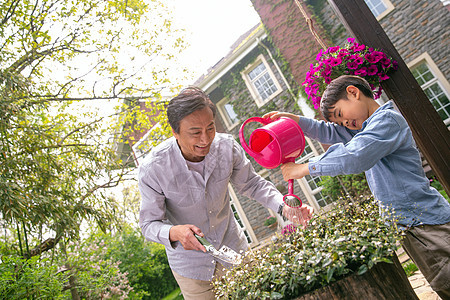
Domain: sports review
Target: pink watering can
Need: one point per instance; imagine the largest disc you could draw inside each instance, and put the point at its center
(277, 142)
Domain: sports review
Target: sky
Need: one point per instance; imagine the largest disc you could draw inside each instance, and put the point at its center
(212, 26)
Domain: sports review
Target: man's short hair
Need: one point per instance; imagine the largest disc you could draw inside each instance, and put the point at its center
(186, 102)
(336, 91)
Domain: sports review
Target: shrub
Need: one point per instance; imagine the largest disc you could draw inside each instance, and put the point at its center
(29, 279)
(270, 220)
(349, 239)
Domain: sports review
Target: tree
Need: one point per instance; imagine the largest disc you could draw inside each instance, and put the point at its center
(57, 156)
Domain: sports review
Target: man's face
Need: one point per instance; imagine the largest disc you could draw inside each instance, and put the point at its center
(197, 132)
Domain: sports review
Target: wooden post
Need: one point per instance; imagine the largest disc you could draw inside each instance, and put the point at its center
(430, 133)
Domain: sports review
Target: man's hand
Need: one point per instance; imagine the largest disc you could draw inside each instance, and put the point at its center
(299, 215)
(292, 170)
(274, 115)
(185, 235)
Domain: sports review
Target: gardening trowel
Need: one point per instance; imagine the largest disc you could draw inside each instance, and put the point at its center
(225, 253)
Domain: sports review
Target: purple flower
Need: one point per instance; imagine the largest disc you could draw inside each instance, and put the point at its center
(359, 60)
(372, 70)
(319, 55)
(371, 58)
(351, 40)
(335, 61)
(333, 49)
(288, 229)
(382, 77)
(326, 71)
(352, 65)
(361, 72)
(385, 62)
(358, 48)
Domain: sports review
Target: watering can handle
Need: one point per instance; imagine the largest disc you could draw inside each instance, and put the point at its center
(244, 144)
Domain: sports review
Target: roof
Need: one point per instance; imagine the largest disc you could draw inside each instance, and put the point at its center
(242, 43)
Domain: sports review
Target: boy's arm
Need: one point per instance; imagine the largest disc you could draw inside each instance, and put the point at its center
(381, 137)
(326, 133)
(321, 131)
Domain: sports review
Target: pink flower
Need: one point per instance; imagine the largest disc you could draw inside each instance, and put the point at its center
(359, 60)
(319, 55)
(361, 72)
(326, 71)
(386, 62)
(382, 77)
(352, 65)
(335, 61)
(371, 58)
(333, 49)
(358, 48)
(351, 40)
(372, 70)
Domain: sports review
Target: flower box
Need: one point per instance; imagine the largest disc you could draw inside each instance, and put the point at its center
(348, 251)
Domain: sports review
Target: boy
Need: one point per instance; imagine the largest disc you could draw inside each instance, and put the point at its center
(377, 140)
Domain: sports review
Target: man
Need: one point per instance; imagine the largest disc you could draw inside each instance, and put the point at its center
(184, 188)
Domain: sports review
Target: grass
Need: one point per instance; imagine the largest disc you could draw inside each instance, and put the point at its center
(410, 268)
(174, 295)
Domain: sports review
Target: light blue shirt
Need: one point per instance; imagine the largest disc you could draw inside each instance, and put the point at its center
(172, 194)
(385, 150)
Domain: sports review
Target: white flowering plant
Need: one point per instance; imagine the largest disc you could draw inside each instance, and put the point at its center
(350, 239)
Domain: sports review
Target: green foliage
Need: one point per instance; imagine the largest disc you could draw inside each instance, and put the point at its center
(410, 268)
(438, 186)
(270, 220)
(65, 67)
(339, 186)
(29, 279)
(349, 239)
(144, 263)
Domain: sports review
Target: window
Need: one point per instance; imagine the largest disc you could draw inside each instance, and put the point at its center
(227, 112)
(240, 217)
(434, 85)
(261, 81)
(313, 181)
(379, 8)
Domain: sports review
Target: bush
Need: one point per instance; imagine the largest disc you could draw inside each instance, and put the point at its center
(145, 263)
(270, 220)
(337, 186)
(29, 279)
(349, 239)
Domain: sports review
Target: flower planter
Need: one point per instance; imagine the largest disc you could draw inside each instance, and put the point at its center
(382, 282)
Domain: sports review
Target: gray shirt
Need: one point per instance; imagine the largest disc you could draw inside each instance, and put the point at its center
(174, 195)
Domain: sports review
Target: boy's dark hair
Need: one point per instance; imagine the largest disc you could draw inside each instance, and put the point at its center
(186, 102)
(336, 91)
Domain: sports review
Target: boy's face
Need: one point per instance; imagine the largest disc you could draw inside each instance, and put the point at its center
(350, 112)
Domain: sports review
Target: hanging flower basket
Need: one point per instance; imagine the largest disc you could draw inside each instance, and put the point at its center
(352, 59)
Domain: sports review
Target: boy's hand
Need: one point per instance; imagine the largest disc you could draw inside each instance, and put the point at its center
(274, 115)
(292, 170)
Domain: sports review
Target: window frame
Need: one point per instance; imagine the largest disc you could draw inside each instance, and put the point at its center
(434, 69)
(224, 114)
(251, 87)
(247, 227)
(389, 7)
